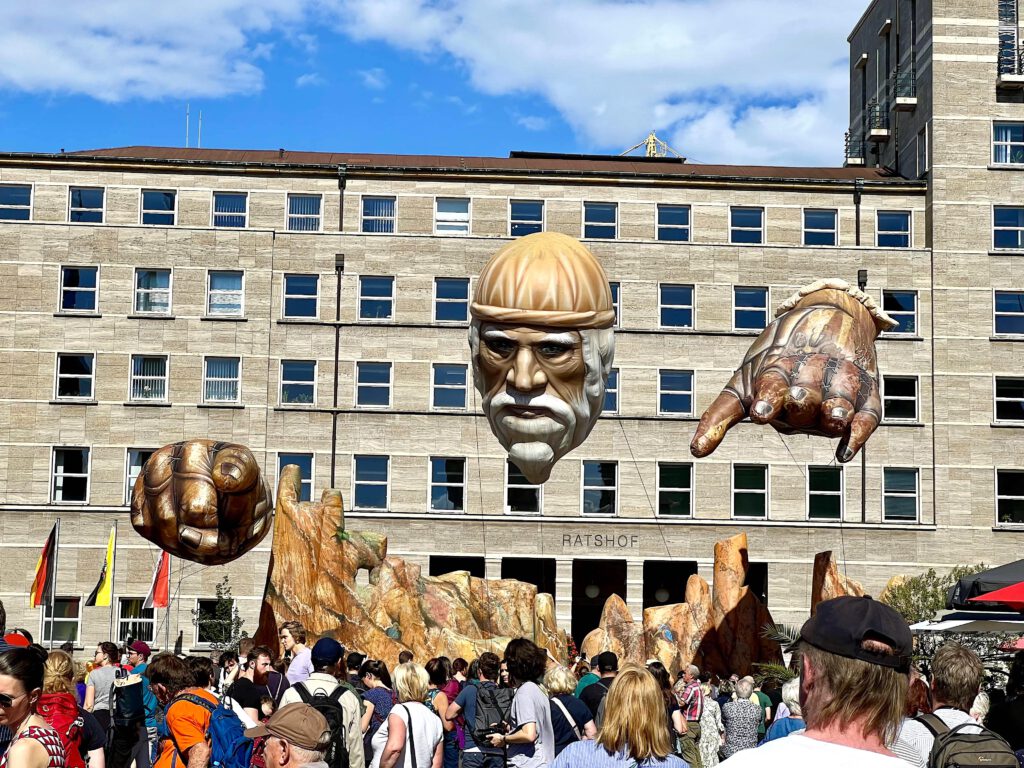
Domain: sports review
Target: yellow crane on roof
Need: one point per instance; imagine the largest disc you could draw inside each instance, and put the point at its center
(654, 147)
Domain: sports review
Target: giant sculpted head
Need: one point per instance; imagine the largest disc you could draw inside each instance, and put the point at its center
(542, 346)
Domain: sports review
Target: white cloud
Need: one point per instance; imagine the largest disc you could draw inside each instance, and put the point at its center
(533, 122)
(375, 79)
(309, 79)
(728, 80)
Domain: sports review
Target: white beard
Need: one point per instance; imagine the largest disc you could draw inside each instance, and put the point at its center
(535, 444)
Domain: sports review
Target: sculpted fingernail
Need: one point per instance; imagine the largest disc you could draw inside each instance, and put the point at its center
(847, 454)
(839, 414)
(762, 408)
(797, 393)
(191, 537)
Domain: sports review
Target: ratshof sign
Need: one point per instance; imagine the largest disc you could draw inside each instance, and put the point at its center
(601, 540)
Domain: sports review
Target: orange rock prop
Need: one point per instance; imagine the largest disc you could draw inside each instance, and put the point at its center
(312, 579)
(718, 628)
(828, 582)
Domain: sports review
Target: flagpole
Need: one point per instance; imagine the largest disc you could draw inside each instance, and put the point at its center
(113, 584)
(167, 622)
(53, 591)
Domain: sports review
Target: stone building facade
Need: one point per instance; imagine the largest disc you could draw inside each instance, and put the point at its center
(155, 294)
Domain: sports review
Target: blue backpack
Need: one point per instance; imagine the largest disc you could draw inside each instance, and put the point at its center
(229, 746)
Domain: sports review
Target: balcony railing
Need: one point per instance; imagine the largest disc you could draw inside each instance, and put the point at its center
(904, 88)
(1010, 63)
(854, 149)
(878, 121)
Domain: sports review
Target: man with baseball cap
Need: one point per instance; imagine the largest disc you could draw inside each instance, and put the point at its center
(855, 663)
(295, 737)
(138, 657)
(608, 668)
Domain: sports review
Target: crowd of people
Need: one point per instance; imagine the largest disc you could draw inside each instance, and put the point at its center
(857, 701)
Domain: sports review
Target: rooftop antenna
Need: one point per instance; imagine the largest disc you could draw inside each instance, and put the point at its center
(653, 147)
(199, 138)
(186, 124)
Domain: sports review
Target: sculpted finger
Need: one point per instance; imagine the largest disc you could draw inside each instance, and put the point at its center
(718, 419)
(836, 414)
(770, 391)
(862, 426)
(804, 398)
(206, 542)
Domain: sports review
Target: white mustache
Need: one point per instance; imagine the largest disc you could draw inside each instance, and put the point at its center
(560, 409)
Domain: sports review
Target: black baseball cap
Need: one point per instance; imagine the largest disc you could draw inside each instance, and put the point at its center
(841, 625)
(326, 652)
(608, 662)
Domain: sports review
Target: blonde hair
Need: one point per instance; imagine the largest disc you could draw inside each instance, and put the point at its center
(559, 680)
(58, 673)
(411, 682)
(634, 716)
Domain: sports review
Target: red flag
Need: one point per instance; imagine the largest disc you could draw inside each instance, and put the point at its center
(42, 585)
(158, 593)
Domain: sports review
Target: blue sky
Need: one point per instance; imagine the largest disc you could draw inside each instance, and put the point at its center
(730, 81)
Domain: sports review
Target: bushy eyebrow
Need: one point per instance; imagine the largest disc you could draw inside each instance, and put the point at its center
(565, 339)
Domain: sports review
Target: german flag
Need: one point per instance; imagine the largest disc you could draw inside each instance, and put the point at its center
(42, 585)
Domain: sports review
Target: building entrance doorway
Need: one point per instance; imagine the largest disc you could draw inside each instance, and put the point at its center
(593, 581)
(539, 571)
(757, 580)
(442, 564)
(665, 581)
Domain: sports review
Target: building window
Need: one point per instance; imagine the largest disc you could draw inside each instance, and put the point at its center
(1007, 227)
(1008, 143)
(378, 215)
(153, 291)
(451, 299)
(901, 306)
(371, 482)
(600, 220)
(86, 205)
(159, 207)
(221, 379)
(676, 306)
(749, 309)
(899, 398)
(448, 388)
(750, 490)
(893, 229)
(135, 621)
(447, 484)
(298, 382)
(1009, 313)
(75, 376)
(79, 289)
(15, 202)
(899, 494)
(70, 475)
(373, 384)
(66, 617)
(451, 216)
(746, 225)
(820, 226)
(301, 294)
(824, 493)
(521, 496)
(611, 392)
(230, 209)
(674, 223)
(304, 213)
(1009, 496)
(225, 295)
(600, 487)
(376, 297)
(614, 287)
(148, 378)
(304, 461)
(675, 489)
(136, 459)
(922, 152)
(675, 392)
(213, 620)
(525, 217)
(1009, 399)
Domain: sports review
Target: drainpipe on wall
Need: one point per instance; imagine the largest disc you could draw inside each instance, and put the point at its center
(342, 169)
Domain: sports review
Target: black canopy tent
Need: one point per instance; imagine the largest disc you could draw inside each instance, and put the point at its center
(983, 583)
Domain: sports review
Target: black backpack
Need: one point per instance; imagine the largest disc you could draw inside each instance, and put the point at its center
(336, 752)
(956, 747)
(492, 707)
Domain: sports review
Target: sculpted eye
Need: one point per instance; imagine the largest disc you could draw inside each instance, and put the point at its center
(553, 349)
(501, 347)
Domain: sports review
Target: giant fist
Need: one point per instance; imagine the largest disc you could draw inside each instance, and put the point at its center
(202, 500)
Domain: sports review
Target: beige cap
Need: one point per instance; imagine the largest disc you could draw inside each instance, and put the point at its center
(298, 724)
(546, 278)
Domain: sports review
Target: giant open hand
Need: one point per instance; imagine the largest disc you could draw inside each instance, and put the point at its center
(202, 500)
(812, 371)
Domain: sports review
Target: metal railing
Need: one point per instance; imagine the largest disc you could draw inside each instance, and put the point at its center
(904, 83)
(878, 116)
(854, 146)
(1011, 58)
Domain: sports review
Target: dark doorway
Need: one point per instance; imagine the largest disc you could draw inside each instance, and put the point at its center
(593, 581)
(442, 564)
(665, 581)
(757, 580)
(539, 571)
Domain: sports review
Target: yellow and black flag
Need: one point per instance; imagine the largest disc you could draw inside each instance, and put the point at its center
(101, 593)
(42, 585)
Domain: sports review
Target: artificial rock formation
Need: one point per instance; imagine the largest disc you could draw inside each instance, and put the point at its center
(312, 579)
(827, 582)
(718, 628)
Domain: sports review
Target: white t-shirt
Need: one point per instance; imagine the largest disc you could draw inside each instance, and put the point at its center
(797, 750)
(426, 730)
(914, 742)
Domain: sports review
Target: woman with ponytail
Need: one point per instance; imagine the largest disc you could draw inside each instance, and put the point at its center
(79, 731)
(35, 743)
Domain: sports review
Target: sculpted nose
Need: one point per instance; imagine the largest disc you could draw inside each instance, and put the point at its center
(525, 375)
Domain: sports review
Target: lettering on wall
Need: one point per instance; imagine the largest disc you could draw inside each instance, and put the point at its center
(600, 540)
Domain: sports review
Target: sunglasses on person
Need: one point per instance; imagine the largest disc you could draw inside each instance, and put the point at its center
(7, 700)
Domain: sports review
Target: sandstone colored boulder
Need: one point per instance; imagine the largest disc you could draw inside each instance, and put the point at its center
(827, 582)
(616, 632)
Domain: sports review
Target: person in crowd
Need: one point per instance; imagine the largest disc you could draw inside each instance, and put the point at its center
(204, 672)
(673, 715)
(138, 656)
(570, 718)
(956, 678)
(582, 668)
(295, 737)
(531, 741)
(475, 755)
(980, 708)
(293, 641)
(711, 728)
(633, 733)
(34, 743)
(854, 667)
(247, 690)
(183, 731)
(411, 735)
(5, 732)
(326, 656)
(353, 663)
(760, 698)
(227, 670)
(404, 657)
(792, 722)
(726, 692)
(473, 672)
(459, 669)
(437, 701)
(592, 695)
(741, 718)
(919, 698)
(378, 699)
(691, 703)
(245, 646)
(1006, 716)
(79, 731)
(588, 678)
(503, 676)
(97, 685)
